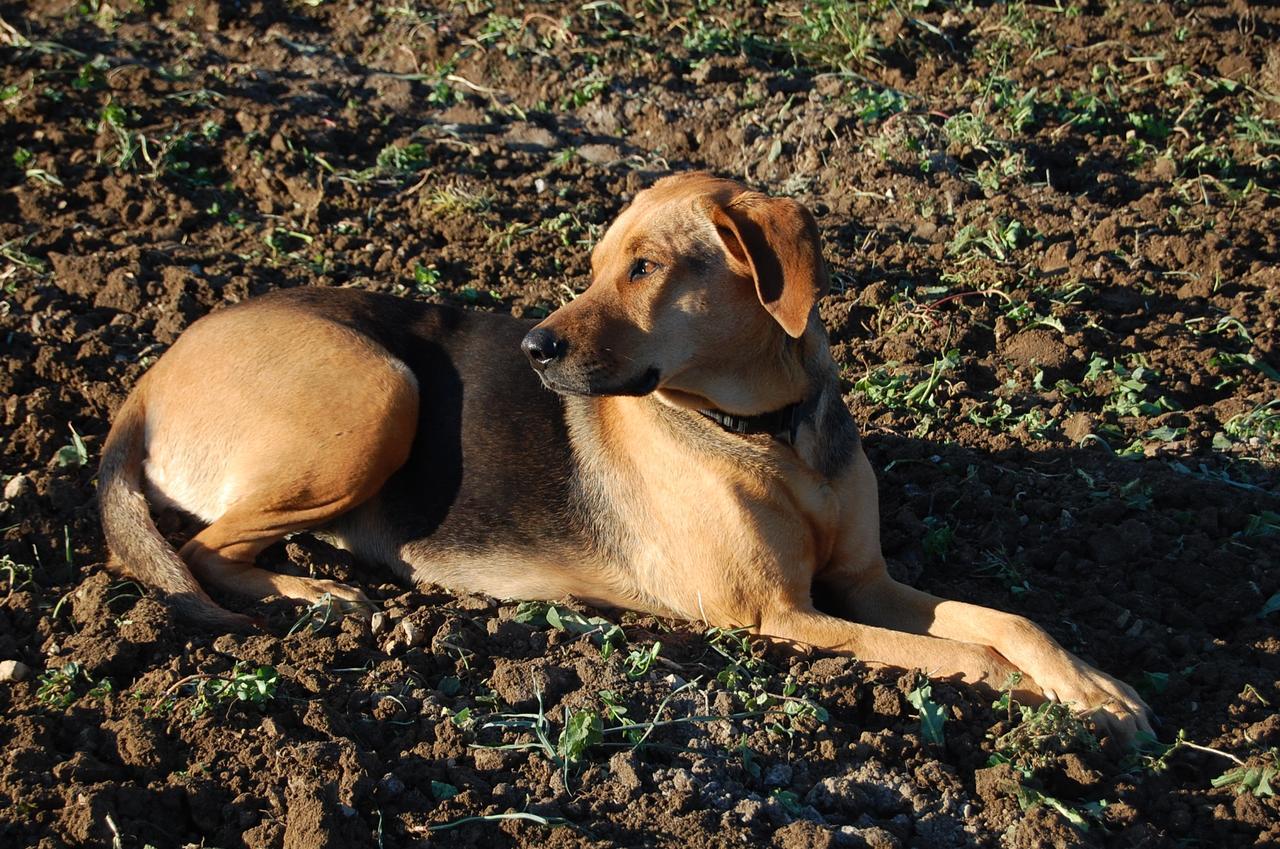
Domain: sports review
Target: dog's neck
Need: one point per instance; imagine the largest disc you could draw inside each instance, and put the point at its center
(781, 424)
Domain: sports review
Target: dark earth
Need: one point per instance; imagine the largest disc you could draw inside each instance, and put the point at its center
(1054, 238)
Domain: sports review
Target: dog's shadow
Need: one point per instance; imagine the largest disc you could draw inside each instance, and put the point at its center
(1154, 568)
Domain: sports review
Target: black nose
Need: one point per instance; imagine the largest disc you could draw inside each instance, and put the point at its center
(542, 347)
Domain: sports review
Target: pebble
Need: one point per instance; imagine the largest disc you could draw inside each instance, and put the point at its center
(599, 154)
(778, 775)
(411, 634)
(13, 670)
(391, 785)
(16, 487)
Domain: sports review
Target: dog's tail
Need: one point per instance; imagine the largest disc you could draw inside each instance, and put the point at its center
(137, 550)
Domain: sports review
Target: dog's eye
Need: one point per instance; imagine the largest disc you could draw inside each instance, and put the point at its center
(642, 268)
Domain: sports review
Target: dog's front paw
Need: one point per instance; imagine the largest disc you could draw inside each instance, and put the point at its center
(1116, 708)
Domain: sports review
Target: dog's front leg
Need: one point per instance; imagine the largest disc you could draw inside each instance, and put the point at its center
(859, 587)
(1057, 674)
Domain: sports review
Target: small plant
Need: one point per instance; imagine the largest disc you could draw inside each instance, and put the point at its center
(996, 242)
(834, 35)
(1000, 565)
(91, 75)
(441, 790)
(1029, 797)
(747, 678)
(1262, 423)
(873, 105)
(12, 251)
(16, 575)
(1251, 779)
(130, 145)
(57, 686)
(930, 712)
(1254, 778)
(1128, 389)
(453, 201)
(604, 633)
(397, 158)
(616, 712)
(640, 660)
(282, 240)
(896, 391)
(425, 278)
(967, 130)
(1041, 732)
(788, 800)
(586, 91)
(582, 730)
(74, 454)
(938, 539)
(257, 687)
(318, 615)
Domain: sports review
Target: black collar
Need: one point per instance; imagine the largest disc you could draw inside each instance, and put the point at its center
(780, 424)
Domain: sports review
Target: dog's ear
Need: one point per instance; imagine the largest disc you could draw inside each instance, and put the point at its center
(777, 240)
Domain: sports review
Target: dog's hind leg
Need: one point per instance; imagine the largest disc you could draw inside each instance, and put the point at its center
(222, 555)
(289, 448)
(288, 485)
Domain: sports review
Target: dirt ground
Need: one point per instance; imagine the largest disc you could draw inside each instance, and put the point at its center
(1054, 237)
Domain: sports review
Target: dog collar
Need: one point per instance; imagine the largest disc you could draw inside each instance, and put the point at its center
(780, 424)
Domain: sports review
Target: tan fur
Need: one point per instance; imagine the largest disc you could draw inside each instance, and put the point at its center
(258, 471)
(703, 524)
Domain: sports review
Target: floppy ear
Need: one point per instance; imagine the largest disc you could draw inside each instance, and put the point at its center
(777, 240)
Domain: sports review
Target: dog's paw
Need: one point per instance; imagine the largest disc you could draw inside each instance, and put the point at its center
(1116, 708)
(347, 599)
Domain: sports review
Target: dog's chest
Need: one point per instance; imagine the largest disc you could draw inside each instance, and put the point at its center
(722, 534)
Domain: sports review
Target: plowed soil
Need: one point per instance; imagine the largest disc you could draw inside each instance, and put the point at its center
(1054, 236)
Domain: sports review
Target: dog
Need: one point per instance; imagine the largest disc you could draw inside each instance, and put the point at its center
(693, 457)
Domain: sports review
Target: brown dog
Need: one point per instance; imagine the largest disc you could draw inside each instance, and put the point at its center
(694, 460)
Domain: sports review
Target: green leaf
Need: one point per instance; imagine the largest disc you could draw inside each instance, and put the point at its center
(1164, 433)
(1155, 682)
(608, 635)
(641, 660)
(1050, 321)
(1264, 783)
(1272, 606)
(1029, 798)
(583, 730)
(789, 801)
(532, 613)
(930, 712)
(1255, 779)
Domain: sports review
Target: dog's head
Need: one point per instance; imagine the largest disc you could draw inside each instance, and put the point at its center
(700, 289)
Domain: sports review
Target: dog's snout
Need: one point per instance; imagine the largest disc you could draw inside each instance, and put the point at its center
(543, 347)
